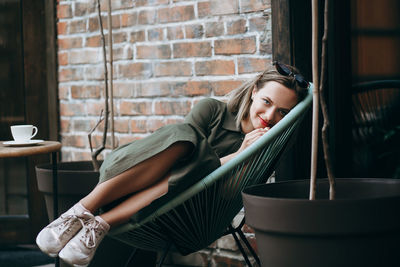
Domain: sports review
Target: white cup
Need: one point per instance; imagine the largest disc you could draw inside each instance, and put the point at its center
(23, 133)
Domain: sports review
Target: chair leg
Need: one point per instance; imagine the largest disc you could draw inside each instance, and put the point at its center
(130, 259)
(241, 248)
(164, 255)
(249, 247)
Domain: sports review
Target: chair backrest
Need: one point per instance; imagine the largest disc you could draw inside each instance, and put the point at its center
(375, 129)
(201, 214)
(375, 108)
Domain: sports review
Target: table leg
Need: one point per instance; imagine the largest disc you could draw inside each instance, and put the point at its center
(55, 194)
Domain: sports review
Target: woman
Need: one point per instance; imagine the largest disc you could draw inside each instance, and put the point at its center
(171, 159)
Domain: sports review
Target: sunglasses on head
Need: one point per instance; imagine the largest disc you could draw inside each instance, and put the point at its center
(285, 71)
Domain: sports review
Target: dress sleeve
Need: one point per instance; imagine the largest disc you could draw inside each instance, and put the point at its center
(202, 114)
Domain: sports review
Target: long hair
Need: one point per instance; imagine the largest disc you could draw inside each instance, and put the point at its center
(239, 100)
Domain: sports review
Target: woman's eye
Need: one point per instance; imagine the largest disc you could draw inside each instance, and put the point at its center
(266, 101)
(283, 113)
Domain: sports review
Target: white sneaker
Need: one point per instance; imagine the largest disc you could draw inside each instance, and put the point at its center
(54, 236)
(80, 250)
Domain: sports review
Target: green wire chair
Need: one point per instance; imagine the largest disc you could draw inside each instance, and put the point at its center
(193, 219)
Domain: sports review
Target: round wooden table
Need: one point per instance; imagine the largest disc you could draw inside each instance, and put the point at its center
(7, 151)
(46, 147)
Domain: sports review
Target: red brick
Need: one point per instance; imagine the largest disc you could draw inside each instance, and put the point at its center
(135, 108)
(85, 57)
(95, 108)
(150, 2)
(71, 109)
(94, 41)
(265, 44)
(77, 26)
(223, 7)
(147, 17)
(62, 58)
(121, 53)
(138, 125)
(62, 27)
(86, 91)
(194, 31)
(127, 139)
(63, 92)
(215, 67)
(129, 19)
(68, 43)
(74, 140)
(214, 29)
(66, 75)
(117, 5)
(152, 89)
(120, 37)
(173, 121)
(175, 33)
(65, 125)
(172, 107)
(94, 73)
(97, 141)
(175, 14)
(192, 88)
(95, 26)
(84, 125)
(245, 45)
(132, 70)
(222, 88)
(154, 124)
(203, 9)
(115, 20)
(153, 51)
(123, 90)
(173, 68)
(121, 126)
(251, 65)
(199, 49)
(258, 23)
(155, 34)
(138, 36)
(82, 9)
(64, 11)
(236, 27)
(254, 5)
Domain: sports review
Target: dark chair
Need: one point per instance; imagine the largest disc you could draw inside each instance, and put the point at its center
(376, 128)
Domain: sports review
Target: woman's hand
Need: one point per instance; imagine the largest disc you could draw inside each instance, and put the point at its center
(249, 139)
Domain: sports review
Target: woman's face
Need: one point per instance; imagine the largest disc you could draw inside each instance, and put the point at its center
(270, 104)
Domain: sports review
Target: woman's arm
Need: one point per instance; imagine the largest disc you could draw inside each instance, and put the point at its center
(249, 139)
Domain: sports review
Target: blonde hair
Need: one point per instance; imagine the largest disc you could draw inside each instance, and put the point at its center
(239, 101)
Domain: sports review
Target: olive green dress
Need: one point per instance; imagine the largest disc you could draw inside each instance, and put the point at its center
(210, 127)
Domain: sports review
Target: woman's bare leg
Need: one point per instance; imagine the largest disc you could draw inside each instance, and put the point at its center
(123, 211)
(143, 175)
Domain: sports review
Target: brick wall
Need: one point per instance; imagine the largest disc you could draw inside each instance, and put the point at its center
(168, 54)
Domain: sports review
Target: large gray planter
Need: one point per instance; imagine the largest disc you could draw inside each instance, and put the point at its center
(360, 228)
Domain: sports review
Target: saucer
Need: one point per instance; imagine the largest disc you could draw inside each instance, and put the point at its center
(25, 143)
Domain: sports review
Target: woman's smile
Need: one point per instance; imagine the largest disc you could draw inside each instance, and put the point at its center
(264, 123)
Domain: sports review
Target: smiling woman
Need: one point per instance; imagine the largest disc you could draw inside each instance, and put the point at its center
(169, 161)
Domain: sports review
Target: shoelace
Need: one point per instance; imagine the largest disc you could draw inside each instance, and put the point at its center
(67, 221)
(91, 229)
